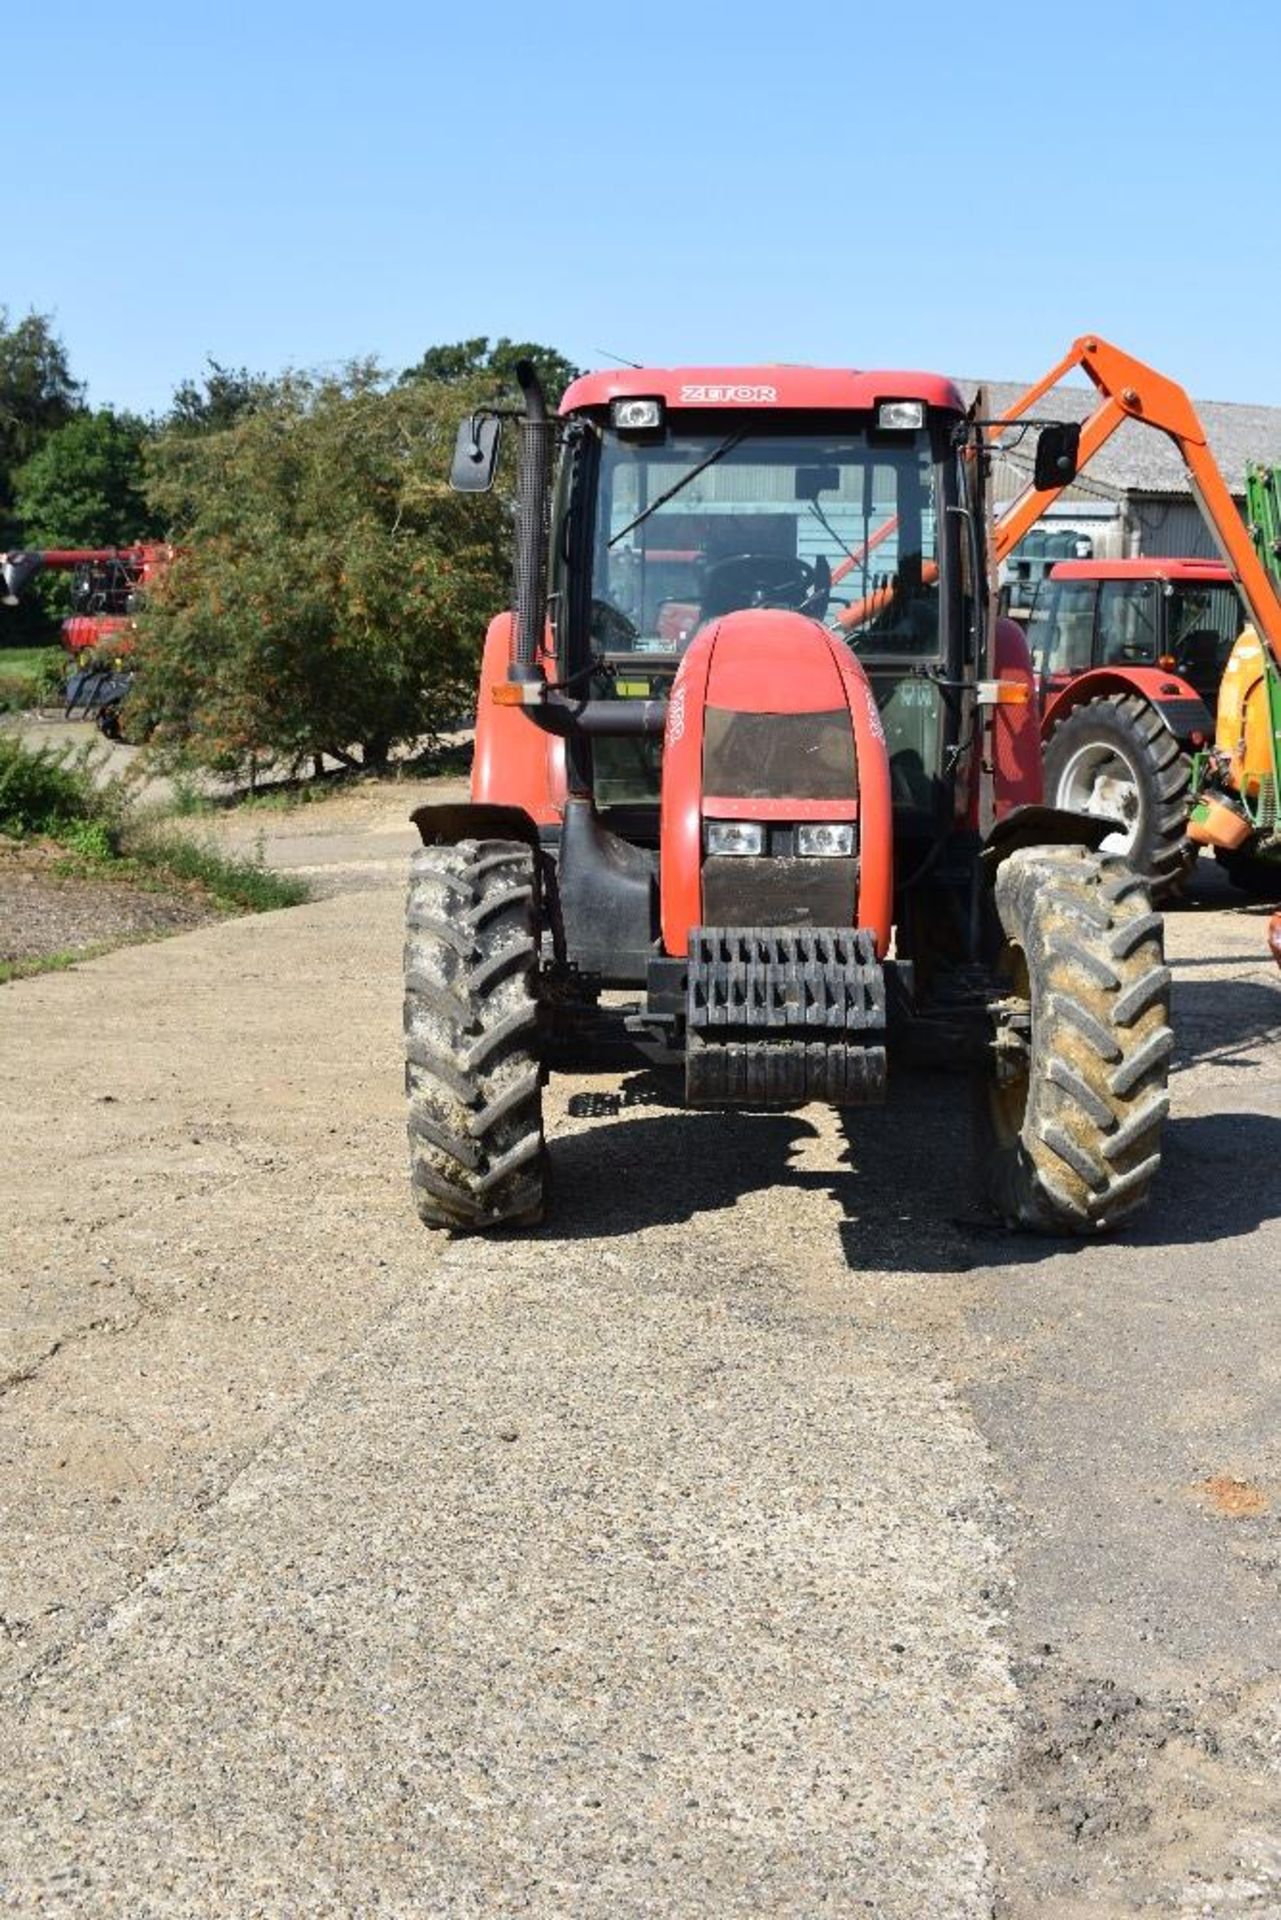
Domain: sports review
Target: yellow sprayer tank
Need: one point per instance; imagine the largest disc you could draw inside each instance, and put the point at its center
(1243, 729)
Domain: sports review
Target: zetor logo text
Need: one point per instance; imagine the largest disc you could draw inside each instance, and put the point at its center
(701, 395)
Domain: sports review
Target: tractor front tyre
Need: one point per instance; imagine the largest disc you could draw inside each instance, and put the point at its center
(1115, 759)
(1077, 1093)
(472, 1068)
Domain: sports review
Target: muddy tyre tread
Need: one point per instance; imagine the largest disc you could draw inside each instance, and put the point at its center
(1089, 1146)
(1162, 853)
(472, 1071)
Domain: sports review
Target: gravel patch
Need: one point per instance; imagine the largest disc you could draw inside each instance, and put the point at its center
(45, 911)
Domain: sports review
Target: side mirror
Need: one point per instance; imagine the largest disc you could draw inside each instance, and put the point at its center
(811, 481)
(1057, 449)
(476, 453)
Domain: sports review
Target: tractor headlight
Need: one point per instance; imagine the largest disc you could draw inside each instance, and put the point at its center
(735, 836)
(826, 838)
(637, 416)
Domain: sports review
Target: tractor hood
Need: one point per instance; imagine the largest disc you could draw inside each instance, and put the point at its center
(771, 719)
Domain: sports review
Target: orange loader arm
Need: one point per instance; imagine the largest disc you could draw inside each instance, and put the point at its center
(1128, 390)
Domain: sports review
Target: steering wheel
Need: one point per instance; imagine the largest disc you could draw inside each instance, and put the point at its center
(765, 579)
(611, 627)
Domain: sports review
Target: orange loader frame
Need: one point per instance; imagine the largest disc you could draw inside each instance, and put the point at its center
(1130, 390)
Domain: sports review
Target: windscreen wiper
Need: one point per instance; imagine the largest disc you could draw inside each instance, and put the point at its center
(827, 527)
(717, 453)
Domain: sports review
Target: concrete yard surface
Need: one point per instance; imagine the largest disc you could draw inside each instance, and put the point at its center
(766, 1534)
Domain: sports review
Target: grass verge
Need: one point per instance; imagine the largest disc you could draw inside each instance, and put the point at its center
(62, 961)
(56, 799)
(238, 885)
(30, 676)
(30, 661)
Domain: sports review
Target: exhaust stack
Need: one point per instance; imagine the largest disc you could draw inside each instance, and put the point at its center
(533, 501)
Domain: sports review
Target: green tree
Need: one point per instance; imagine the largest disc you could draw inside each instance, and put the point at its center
(37, 392)
(84, 486)
(477, 360)
(330, 592)
(218, 399)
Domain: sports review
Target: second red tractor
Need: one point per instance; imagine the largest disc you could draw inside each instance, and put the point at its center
(1129, 656)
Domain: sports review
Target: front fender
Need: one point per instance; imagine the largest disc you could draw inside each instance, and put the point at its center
(1038, 826)
(514, 763)
(451, 820)
(1177, 704)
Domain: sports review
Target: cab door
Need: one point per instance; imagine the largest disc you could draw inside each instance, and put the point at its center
(1060, 632)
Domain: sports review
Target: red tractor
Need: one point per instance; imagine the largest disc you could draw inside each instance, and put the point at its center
(107, 588)
(789, 797)
(784, 790)
(1130, 654)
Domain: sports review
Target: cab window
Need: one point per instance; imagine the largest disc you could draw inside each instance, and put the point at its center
(842, 526)
(1201, 627)
(1129, 611)
(1061, 630)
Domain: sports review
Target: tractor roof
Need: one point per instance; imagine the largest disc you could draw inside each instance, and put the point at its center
(1213, 571)
(747, 389)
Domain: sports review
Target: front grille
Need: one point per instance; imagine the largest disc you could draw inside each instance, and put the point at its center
(758, 756)
(782, 891)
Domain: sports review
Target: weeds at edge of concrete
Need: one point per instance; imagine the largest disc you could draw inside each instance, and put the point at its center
(238, 885)
(69, 957)
(101, 834)
(159, 864)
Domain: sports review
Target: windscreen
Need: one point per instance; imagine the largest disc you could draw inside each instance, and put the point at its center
(1077, 624)
(840, 526)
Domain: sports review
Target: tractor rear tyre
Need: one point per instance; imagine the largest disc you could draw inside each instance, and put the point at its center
(472, 1068)
(1077, 1096)
(1115, 759)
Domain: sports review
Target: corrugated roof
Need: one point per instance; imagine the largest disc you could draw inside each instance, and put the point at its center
(1136, 459)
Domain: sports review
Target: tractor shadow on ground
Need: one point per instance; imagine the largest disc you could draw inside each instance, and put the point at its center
(1210, 891)
(1226, 1023)
(907, 1183)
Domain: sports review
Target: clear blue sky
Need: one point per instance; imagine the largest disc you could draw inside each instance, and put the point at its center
(959, 188)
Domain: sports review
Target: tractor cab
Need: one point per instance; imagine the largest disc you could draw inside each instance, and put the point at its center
(688, 495)
(1182, 615)
(104, 585)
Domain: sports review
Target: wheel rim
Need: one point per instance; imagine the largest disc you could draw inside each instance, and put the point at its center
(1099, 780)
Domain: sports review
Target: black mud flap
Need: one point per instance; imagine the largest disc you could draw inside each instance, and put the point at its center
(780, 1016)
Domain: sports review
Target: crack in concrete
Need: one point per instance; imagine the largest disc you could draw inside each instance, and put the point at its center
(33, 1369)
